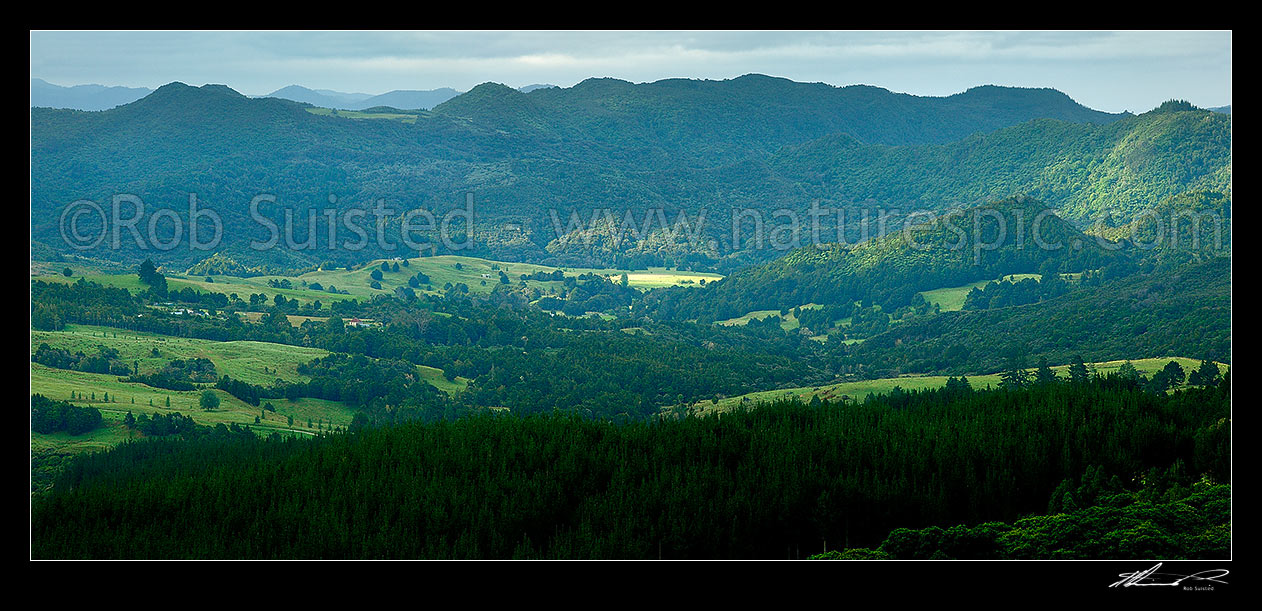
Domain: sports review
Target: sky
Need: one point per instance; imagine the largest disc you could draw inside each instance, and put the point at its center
(1105, 70)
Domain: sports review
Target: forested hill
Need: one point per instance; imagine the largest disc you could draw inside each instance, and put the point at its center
(1083, 170)
(890, 270)
(1185, 311)
(755, 142)
(756, 112)
(1197, 221)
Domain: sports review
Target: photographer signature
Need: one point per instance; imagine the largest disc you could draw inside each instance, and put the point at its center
(1151, 577)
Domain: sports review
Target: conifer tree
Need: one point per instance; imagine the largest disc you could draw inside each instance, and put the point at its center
(1044, 375)
(1078, 373)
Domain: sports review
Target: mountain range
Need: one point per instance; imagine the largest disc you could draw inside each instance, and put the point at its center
(679, 145)
(100, 97)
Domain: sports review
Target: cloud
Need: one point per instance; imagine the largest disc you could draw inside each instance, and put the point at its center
(1088, 65)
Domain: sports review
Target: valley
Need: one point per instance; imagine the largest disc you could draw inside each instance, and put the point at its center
(688, 318)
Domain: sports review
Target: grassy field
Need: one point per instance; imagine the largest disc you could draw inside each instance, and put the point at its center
(480, 275)
(860, 389)
(657, 277)
(109, 434)
(354, 114)
(435, 377)
(294, 319)
(788, 322)
(227, 285)
(253, 362)
(92, 387)
(90, 390)
(243, 360)
(951, 299)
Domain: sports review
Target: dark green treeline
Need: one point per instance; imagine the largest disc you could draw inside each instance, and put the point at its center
(774, 482)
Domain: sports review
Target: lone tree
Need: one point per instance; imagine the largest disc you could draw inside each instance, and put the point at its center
(149, 275)
(147, 271)
(209, 400)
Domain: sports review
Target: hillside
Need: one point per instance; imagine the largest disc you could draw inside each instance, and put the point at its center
(1082, 170)
(1182, 311)
(857, 391)
(1192, 222)
(891, 270)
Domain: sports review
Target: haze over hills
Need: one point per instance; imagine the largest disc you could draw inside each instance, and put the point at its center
(325, 98)
(680, 145)
(99, 97)
(83, 97)
(402, 99)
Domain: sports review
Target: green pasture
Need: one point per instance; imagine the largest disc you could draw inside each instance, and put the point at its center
(788, 322)
(354, 114)
(480, 275)
(858, 390)
(254, 362)
(951, 299)
(260, 363)
(240, 360)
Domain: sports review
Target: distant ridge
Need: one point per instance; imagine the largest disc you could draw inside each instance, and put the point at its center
(401, 99)
(83, 97)
(411, 99)
(761, 110)
(325, 98)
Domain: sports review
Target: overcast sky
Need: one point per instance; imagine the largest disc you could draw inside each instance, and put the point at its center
(1111, 71)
